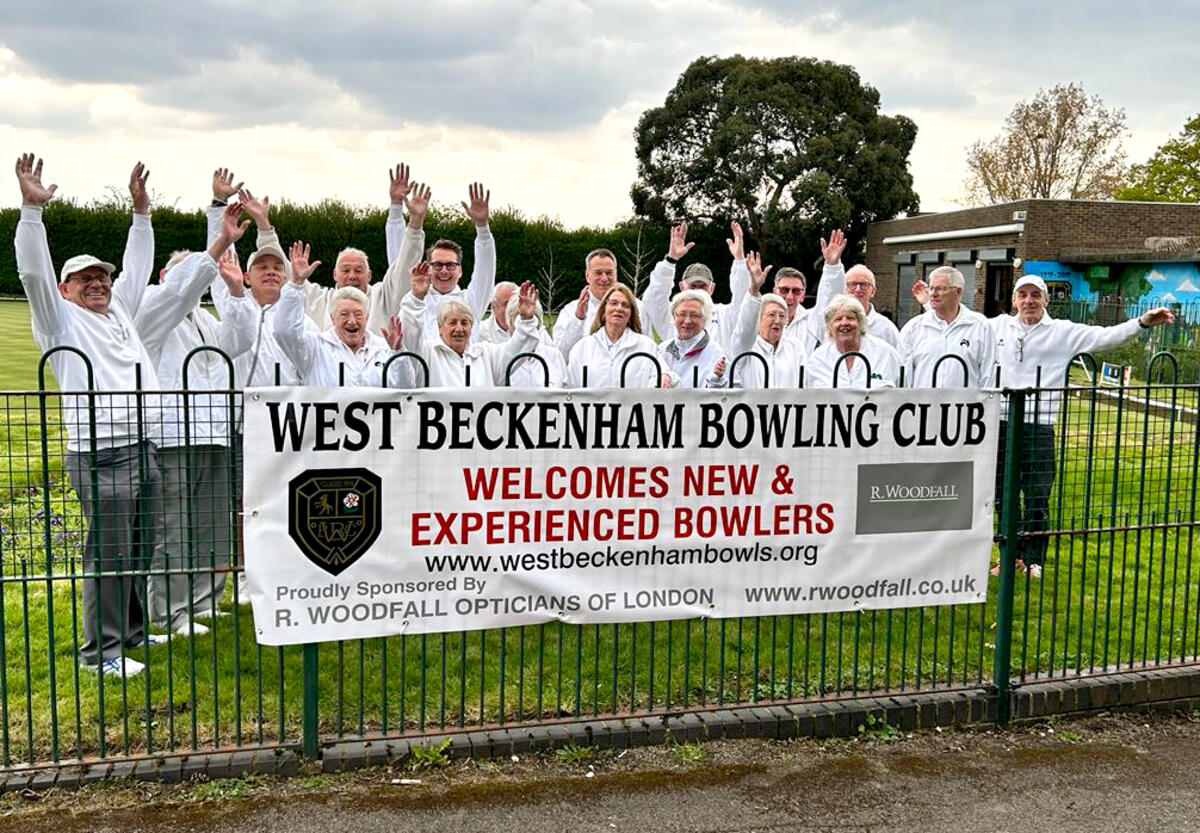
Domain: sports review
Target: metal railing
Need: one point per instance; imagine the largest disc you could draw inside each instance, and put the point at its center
(1117, 590)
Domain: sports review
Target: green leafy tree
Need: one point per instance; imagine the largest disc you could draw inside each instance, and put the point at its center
(790, 147)
(1172, 174)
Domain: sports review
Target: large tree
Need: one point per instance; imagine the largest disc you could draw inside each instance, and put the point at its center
(1172, 174)
(790, 147)
(1062, 144)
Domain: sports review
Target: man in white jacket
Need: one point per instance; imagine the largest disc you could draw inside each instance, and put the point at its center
(658, 304)
(194, 450)
(453, 360)
(347, 354)
(113, 470)
(1034, 350)
(947, 328)
(496, 327)
(860, 285)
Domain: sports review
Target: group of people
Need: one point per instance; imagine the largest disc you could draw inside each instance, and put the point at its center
(175, 459)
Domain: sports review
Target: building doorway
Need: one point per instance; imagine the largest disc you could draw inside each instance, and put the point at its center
(999, 289)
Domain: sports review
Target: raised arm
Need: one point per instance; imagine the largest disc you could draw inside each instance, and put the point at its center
(138, 261)
(298, 342)
(833, 281)
(483, 276)
(570, 324)
(239, 321)
(396, 283)
(524, 338)
(656, 300)
(412, 308)
(393, 230)
(739, 275)
(34, 266)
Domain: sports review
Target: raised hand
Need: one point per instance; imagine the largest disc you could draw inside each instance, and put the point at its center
(301, 268)
(29, 177)
(737, 247)
(422, 276)
(678, 247)
(231, 272)
(758, 275)
(920, 292)
(256, 208)
(1156, 317)
(417, 203)
(478, 209)
(719, 368)
(832, 250)
(392, 333)
(222, 185)
(581, 308)
(527, 300)
(230, 233)
(137, 189)
(399, 184)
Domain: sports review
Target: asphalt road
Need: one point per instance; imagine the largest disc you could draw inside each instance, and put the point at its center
(1131, 778)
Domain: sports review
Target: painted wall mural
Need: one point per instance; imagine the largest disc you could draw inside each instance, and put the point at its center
(1132, 283)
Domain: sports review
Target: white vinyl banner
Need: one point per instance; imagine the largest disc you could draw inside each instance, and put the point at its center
(372, 512)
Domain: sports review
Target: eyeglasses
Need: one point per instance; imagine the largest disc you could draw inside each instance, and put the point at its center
(789, 290)
(102, 279)
(689, 316)
(618, 304)
(938, 290)
(444, 267)
(860, 285)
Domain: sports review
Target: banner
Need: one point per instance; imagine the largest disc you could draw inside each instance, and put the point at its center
(372, 512)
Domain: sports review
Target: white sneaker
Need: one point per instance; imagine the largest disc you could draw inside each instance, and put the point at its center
(1035, 570)
(190, 628)
(123, 666)
(211, 614)
(158, 638)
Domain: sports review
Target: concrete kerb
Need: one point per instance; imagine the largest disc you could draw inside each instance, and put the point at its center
(1143, 690)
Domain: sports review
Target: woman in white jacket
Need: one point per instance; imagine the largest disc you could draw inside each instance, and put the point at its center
(846, 326)
(616, 339)
(453, 361)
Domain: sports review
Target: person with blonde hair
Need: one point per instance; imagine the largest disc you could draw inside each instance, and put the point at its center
(860, 360)
(615, 341)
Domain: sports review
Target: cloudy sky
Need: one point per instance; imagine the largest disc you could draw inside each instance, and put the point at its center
(310, 99)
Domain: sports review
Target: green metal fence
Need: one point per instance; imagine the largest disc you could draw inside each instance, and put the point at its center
(1116, 592)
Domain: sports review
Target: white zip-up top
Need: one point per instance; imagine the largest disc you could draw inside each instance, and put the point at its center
(881, 327)
(693, 366)
(110, 342)
(883, 358)
(808, 325)
(477, 295)
(207, 415)
(603, 359)
(1021, 350)
(783, 360)
(529, 373)
(447, 369)
(405, 246)
(569, 330)
(656, 302)
(489, 331)
(323, 360)
(926, 338)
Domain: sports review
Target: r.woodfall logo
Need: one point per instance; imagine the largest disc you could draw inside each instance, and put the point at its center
(334, 515)
(914, 497)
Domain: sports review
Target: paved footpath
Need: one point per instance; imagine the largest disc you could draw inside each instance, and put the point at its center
(1120, 776)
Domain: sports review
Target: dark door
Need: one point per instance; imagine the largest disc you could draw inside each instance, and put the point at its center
(999, 289)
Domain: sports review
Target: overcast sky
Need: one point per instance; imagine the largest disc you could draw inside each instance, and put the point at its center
(310, 99)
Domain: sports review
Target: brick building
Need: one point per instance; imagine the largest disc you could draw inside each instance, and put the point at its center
(1089, 252)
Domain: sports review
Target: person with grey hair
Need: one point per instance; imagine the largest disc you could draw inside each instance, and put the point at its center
(453, 360)
(692, 353)
(775, 360)
(807, 326)
(194, 456)
(657, 302)
(528, 372)
(876, 365)
(947, 328)
(600, 275)
(345, 355)
(496, 328)
(110, 457)
(860, 285)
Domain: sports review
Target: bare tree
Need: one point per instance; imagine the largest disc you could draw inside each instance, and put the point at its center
(635, 261)
(1062, 144)
(547, 282)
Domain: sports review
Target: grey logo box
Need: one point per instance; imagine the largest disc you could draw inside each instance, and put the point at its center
(914, 497)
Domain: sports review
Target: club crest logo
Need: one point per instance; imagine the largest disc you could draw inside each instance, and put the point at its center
(334, 515)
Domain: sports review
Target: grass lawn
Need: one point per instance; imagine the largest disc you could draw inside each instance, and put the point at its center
(18, 370)
(1117, 596)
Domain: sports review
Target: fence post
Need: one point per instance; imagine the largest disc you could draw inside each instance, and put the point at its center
(1009, 524)
(310, 700)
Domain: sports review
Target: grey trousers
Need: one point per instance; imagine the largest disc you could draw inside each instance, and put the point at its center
(119, 489)
(196, 535)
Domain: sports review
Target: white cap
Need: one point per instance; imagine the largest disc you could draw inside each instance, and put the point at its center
(1031, 280)
(269, 249)
(81, 262)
